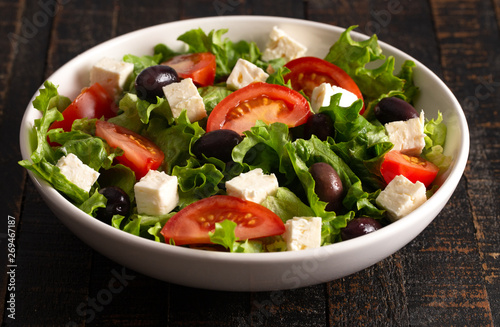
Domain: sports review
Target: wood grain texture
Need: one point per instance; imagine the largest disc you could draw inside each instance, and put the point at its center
(447, 276)
(23, 53)
(472, 45)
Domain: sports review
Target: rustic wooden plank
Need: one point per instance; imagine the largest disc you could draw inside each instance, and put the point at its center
(24, 40)
(10, 206)
(282, 8)
(469, 50)
(451, 288)
(51, 279)
(298, 307)
(113, 287)
(374, 296)
(78, 26)
(198, 307)
(204, 8)
(133, 15)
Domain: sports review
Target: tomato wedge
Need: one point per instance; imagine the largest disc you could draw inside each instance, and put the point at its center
(92, 102)
(259, 101)
(192, 224)
(308, 72)
(414, 168)
(139, 153)
(200, 67)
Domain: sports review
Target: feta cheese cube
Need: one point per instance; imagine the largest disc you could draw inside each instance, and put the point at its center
(156, 193)
(281, 45)
(322, 94)
(253, 186)
(77, 172)
(245, 73)
(111, 74)
(302, 233)
(407, 136)
(184, 96)
(401, 196)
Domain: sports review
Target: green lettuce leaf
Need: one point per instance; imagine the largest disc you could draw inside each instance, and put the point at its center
(212, 95)
(140, 63)
(96, 201)
(354, 57)
(44, 157)
(174, 140)
(264, 147)
(196, 182)
(361, 144)
(226, 51)
(224, 235)
(435, 138)
(287, 205)
(143, 225)
(304, 153)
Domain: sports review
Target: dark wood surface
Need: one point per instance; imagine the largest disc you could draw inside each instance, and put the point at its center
(448, 276)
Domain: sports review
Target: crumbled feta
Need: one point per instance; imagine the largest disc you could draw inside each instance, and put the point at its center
(302, 233)
(253, 186)
(156, 193)
(407, 136)
(77, 172)
(245, 73)
(281, 45)
(184, 96)
(322, 94)
(401, 196)
(111, 74)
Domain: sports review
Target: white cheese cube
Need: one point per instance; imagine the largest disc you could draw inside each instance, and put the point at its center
(322, 94)
(281, 45)
(253, 186)
(302, 233)
(245, 73)
(111, 74)
(407, 136)
(184, 96)
(156, 193)
(401, 196)
(77, 172)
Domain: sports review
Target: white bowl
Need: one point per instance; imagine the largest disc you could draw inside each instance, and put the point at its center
(261, 271)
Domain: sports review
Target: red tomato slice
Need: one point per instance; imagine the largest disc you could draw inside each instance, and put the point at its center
(192, 224)
(139, 153)
(92, 102)
(259, 101)
(308, 72)
(414, 168)
(200, 67)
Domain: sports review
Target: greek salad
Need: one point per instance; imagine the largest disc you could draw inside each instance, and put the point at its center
(225, 146)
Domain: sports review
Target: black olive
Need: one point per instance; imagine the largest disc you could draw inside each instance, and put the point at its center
(320, 125)
(218, 144)
(151, 80)
(359, 226)
(118, 203)
(328, 185)
(394, 109)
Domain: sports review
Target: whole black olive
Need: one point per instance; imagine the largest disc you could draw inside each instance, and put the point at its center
(320, 125)
(328, 185)
(151, 80)
(394, 109)
(358, 227)
(218, 144)
(118, 203)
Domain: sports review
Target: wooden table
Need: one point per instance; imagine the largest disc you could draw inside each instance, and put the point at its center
(447, 276)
